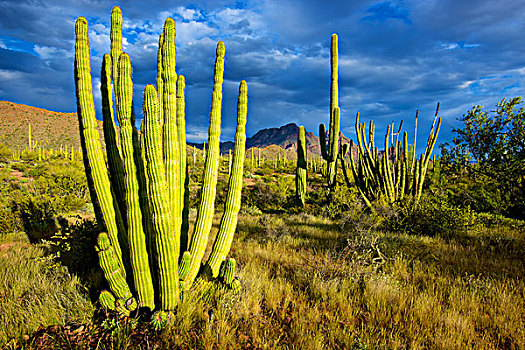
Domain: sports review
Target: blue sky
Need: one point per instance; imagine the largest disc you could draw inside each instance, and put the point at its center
(394, 57)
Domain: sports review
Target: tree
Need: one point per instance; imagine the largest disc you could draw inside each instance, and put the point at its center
(492, 144)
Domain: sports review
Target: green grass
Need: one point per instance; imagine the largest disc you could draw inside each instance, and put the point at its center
(34, 292)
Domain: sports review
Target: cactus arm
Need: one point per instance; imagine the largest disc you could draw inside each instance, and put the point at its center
(159, 203)
(428, 151)
(96, 172)
(116, 45)
(110, 266)
(171, 136)
(160, 82)
(224, 239)
(137, 241)
(414, 148)
(199, 238)
(110, 136)
(183, 167)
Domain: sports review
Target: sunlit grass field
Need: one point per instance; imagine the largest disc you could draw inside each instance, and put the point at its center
(308, 282)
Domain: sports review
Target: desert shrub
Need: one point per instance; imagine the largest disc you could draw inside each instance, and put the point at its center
(73, 246)
(20, 166)
(38, 217)
(275, 194)
(332, 203)
(5, 153)
(9, 221)
(431, 217)
(490, 220)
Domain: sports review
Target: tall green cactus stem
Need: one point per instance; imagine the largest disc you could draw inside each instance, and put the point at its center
(300, 176)
(171, 145)
(431, 142)
(116, 41)
(137, 241)
(183, 166)
(330, 156)
(110, 135)
(160, 82)
(96, 172)
(159, 203)
(199, 239)
(224, 239)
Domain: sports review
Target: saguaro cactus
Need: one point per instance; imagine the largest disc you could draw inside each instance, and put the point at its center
(300, 175)
(149, 183)
(330, 155)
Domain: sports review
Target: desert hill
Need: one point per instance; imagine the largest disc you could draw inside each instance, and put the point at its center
(53, 129)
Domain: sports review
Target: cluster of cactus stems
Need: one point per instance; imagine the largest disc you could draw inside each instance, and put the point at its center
(397, 173)
(141, 196)
(301, 170)
(330, 155)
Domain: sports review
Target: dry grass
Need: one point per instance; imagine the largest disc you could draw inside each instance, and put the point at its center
(35, 293)
(303, 289)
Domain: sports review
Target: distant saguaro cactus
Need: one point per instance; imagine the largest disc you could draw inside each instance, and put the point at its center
(300, 175)
(141, 197)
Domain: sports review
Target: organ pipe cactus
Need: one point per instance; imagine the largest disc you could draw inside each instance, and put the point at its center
(395, 174)
(300, 175)
(141, 196)
(330, 155)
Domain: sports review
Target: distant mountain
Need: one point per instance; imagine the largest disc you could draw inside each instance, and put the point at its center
(285, 137)
(52, 129)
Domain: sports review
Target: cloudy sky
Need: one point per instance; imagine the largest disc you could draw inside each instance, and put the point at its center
(395, 56)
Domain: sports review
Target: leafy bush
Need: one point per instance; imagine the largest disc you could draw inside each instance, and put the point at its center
(431, 217)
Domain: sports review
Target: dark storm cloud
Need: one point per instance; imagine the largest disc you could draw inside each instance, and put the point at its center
(394, 56)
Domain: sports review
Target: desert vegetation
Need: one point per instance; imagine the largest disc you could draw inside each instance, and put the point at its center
(359, 248)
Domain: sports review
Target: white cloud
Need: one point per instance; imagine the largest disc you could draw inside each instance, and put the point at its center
(188, 14)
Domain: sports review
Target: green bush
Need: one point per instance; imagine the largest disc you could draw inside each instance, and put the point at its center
(431, 217)
(38, 217)
(9, 221)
